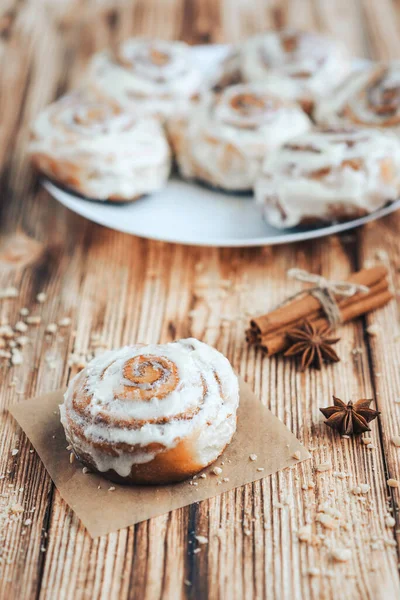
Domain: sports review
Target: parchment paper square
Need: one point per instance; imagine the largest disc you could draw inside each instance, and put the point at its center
(102, 511)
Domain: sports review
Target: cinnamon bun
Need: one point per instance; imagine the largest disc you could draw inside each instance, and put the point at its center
(152, 414)
(369, 98)
(296, 65)
(224, 140)
(151, 77)
(329, 175)
(99, 150)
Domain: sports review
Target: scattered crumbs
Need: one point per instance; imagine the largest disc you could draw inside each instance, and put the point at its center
(201, 539)
(381, 254)
(396, 441)
(366, 440)
(51, 328)
(304, 533)
(187, 582)
(22, 340)
(357, 350)
(71, 457)
(321, 467)
(69, 447)
(296, 455)
(390, 521)
(341, 474)
(311, 449)
(99, 487)
(31, 451)
(16, 357)
(327, 521)
(393, 483)
(217, 470)
(24, 312)
(17, 508)
(313, 572)
(85, 470)
(247, 531)
(365, 488)
(260, 468)
(33, 320)
(196, 550)
(225, 479)
(28, 522)
(203, 476)
(9, 292)
(21, 327)
(41, 297)
(341, 554)
(371, 447)
(253, 456)
(279, 505)
(345, 437)
(14, 452)
(111, 489)
(373, 330)
(65, 322)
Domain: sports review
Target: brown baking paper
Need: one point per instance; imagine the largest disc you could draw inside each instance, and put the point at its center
(102, 511)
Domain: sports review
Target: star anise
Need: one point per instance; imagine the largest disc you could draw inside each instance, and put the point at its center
(349, 418)
(313, 344)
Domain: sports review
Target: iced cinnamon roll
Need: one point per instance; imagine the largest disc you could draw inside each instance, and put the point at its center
(329, 175)
(224, 140)
(369, 98)
(296, 65)
(150, 77)
(99, 150)
(152, 413)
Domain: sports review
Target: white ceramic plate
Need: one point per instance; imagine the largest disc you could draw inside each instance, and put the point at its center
(188, 213)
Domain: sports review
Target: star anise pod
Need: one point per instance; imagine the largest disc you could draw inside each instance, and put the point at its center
(313, 344)
(349, 418)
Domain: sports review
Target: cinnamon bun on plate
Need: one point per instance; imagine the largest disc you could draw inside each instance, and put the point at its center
(297, 65)
(369, 98)
(152, 414)
(99, 150)
(224, 140)
(328, 175)
(150, 77)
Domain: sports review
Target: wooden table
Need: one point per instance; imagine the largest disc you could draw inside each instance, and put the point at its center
(123, 289)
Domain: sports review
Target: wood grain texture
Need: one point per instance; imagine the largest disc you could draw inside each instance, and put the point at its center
(124, 289)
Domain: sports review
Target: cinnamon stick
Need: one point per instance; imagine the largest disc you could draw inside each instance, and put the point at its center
(308, 306)
(272, 344)
(254, 336)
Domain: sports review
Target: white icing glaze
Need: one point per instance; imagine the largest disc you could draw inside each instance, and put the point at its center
(327, 174)
(149, 76)
(292, 64)
(370, 98)
(100, 150)
(213, 415)
(227, 136)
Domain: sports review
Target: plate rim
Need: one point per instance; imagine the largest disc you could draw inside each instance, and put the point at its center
(78, 205)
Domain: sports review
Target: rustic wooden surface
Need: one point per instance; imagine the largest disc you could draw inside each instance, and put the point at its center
(126, 289)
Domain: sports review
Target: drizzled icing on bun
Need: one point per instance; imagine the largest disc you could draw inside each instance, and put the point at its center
(133, 406)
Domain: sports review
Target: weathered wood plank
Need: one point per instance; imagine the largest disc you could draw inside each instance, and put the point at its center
(125, 289)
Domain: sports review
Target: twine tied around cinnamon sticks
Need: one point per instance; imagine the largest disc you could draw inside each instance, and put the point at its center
(325, 290)
(363, 292)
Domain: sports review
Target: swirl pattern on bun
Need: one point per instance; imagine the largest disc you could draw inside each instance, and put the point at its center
(152, 77)
(152, 414)
(99, 150)
(369, 98)
(296, 65)
(329, 175)
(224, 140)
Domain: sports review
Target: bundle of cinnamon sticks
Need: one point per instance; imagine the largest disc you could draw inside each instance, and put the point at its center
(269, 331)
